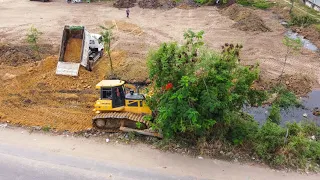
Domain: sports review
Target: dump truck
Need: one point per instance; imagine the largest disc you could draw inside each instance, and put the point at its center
(78, 47)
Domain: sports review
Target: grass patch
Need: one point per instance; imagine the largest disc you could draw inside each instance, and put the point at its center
(302, 20)
(46, 128)
(285, 97)
(260, 4)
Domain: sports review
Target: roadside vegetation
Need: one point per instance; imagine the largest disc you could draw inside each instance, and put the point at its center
(260, 4)
(198, 97)
(32, 39)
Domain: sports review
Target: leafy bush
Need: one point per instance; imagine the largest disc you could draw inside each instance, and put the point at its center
(302, 21)
(242, 128)
(274, 115)
(32, 38)
(195, 88)
(295, 148)
(269, 140)
(285, 98)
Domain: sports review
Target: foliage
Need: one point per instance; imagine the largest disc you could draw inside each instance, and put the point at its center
(269, 140)
(261, 4)
(46, 128)
(107, 37)
(293, 46)
(32, 38)
(242, 128)
(294, 149)
(195, 88)
(285, 97)
(203, 1)
(301, 20)
(274, 115)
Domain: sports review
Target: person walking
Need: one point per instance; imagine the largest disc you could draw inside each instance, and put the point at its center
(127, 11)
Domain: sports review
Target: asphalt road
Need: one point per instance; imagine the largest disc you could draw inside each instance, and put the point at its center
(19, 163)
(45, 156)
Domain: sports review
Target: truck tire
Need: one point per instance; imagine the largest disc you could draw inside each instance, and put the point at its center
(101, 53)
(90, 65)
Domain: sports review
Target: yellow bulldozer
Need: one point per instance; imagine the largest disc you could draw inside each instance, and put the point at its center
(118, 109)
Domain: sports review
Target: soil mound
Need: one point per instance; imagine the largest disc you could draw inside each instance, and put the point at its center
(124, 3)
(73, 50)
(150, 4)
(14, 55)
(300, 84)
(246, 19)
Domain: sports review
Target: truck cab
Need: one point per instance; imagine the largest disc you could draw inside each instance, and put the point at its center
(96, 43)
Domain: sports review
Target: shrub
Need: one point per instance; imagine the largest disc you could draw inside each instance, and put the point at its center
(285, 97)
(269, 140)
(32, 38)
(242, 128)
(295, 148)
(274, 115)
(195, 88)
(302, 21)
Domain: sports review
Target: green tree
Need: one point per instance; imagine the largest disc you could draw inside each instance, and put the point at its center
(195, 88)
(33, 36)
(293, 46)
(107, 37)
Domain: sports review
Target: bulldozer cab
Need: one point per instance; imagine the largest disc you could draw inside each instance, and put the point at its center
(112, 90)
(116, 94)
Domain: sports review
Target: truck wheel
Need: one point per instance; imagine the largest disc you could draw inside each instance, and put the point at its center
(90, 65)
(101, 53)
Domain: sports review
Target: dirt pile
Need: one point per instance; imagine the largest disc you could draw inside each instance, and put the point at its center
(13, 55)
(246, 19)
(124, 3)
(125, 27)
(300, 84)
(73, 50)
(150, 4)
(45, 99)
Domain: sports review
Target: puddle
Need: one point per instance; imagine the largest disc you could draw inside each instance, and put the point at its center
(293, 114)
(306, 43)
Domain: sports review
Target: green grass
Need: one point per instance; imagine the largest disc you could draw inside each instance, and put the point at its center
(46, 128)
(260, 4)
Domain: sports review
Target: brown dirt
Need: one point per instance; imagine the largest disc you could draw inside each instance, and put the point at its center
(68, 100)
(300, 84)
(310, 33)
(124, 3)
(151, 4)
(15, 55)
(43, 98)
(73, 50)
(246, 19)
(126, 27)
(129, 68)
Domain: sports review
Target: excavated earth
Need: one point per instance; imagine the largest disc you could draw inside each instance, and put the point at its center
(32, 94)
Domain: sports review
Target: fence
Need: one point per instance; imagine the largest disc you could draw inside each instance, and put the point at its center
(313, 4)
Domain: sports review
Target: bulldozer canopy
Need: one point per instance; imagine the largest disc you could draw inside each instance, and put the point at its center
(109, 83)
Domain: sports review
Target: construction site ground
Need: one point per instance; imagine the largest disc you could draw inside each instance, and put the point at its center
(31, 94)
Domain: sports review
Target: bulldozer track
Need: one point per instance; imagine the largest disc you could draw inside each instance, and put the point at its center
(114, 120)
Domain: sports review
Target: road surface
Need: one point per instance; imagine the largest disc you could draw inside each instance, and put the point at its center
(38, 156)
